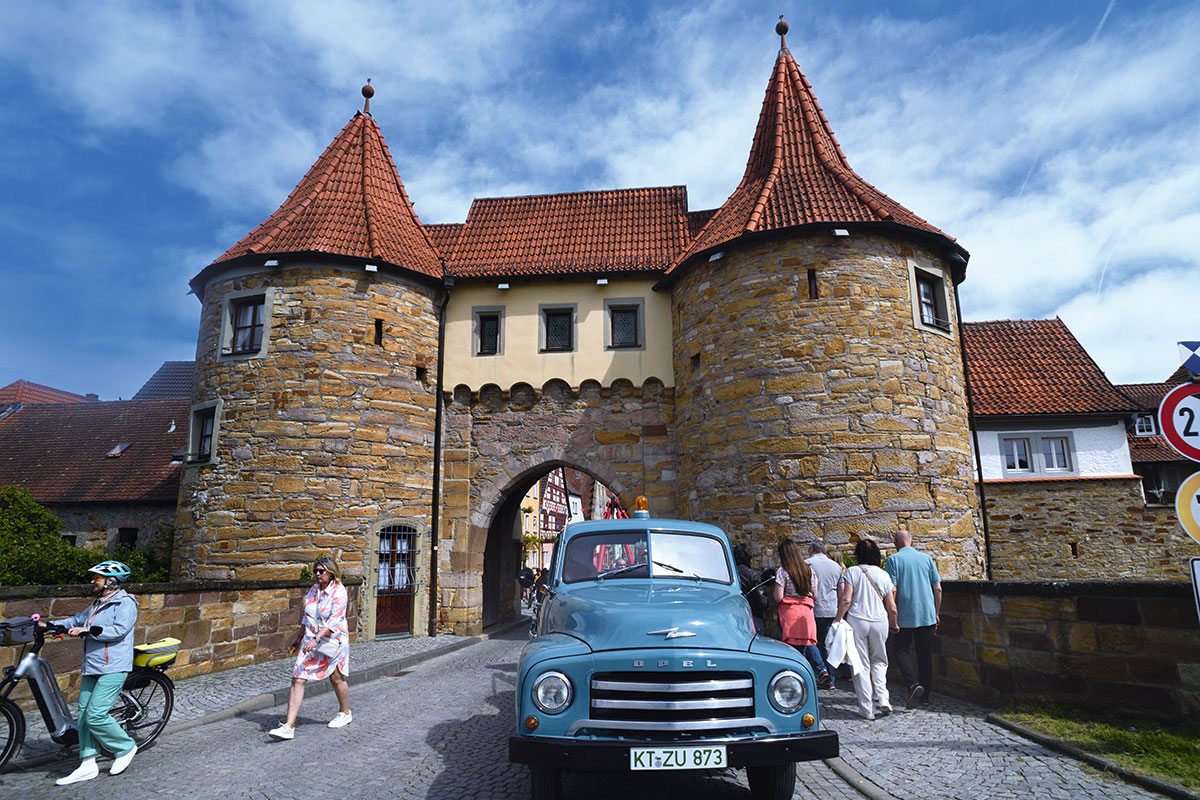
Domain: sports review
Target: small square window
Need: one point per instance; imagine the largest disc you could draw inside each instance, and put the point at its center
(559, 326)
(931, 295)
(625, 326)
(1144, 425)
(127, 536)
(202, 435)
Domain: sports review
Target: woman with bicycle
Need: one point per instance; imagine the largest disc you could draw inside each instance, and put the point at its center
(106, 627)
(324, 645)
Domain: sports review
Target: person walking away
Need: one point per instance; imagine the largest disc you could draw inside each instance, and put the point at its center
(106, 627)
(794, 588)
(918, 606)
(825, 597)
(867, 600)
(324, 646)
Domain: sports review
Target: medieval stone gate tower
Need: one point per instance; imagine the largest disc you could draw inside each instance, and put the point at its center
(788, 364)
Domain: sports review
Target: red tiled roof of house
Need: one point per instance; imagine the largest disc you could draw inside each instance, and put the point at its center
(443, 235)
(350, 203)
(27, 392)
(1148, 396)
(797, 173)
(58, 451)
(1181, 375)
(1035, 367)
(616, 230)
(172, 379)
(1151, 448)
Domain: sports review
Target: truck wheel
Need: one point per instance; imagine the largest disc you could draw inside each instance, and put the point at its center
(776, 782)
(546, 783)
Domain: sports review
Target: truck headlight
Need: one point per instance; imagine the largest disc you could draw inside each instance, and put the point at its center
(552, 692)
(787, 692)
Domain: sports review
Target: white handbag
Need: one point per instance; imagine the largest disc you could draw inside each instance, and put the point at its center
(327, 647)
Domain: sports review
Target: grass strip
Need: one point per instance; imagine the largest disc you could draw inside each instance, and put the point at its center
(1143, 744)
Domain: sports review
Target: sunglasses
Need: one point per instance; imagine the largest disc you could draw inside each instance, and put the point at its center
(319, 570)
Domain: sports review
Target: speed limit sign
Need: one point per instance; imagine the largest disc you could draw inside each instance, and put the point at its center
(1179, 419)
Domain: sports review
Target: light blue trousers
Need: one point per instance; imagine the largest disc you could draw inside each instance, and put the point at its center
(96, 726)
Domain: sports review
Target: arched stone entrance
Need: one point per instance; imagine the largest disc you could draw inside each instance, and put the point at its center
(497, 443)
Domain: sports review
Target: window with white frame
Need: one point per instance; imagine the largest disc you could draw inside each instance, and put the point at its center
(1050, 454)
(624, 324)
(930, 297)
(557, 333)
(1160, 481)
(488, 324)
(202, 433)
(1143, 425)
(246, 323)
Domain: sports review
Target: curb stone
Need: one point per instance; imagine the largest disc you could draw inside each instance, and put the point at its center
(269, 699)
(1099, 762)
(857, 781)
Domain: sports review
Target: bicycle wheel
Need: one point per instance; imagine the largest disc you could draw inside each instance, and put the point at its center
(144, 705)
(12, 730)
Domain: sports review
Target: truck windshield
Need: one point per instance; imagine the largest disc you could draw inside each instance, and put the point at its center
(627, 554)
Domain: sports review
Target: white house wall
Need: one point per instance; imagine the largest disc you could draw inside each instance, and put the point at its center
(1099, 450)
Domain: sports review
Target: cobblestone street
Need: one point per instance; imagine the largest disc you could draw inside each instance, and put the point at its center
(439, 731)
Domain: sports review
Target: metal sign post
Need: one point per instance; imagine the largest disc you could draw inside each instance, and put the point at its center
(1196, 583)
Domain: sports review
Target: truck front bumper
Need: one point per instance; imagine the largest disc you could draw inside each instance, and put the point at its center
(597, 755)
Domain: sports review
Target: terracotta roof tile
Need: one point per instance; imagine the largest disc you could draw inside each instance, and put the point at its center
(350, 203)
(796, 173)
(1148, 396)
(28, 392)
(1035, 367)
(58, 451)
(443, 235)
(1181, 375)
(597, 231)
(1151, 448)
(173, 379)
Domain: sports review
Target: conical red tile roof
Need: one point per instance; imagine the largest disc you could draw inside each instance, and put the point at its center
(797, 174)
(351, 203)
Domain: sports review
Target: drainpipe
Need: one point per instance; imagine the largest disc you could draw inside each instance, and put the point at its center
(435, 535)
(962, 346)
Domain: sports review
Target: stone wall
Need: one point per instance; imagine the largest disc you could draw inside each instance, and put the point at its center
(1083, 529)
(1117, 644)
(97, 524)
(222, 624)
(822, 418)
(496, 443)
(323, 438)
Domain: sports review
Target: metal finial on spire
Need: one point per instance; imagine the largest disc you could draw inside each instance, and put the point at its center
(781, 28)
(368, 92)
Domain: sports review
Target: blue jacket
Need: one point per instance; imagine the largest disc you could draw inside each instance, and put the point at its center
(112, 649)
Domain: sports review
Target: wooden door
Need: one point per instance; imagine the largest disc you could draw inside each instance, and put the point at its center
(395, 580)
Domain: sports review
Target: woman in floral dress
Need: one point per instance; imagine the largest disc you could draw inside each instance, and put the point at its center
(324, 622)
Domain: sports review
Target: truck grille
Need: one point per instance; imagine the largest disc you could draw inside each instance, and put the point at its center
(672, 705)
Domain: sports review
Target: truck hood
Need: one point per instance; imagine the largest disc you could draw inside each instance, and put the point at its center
(627, 614)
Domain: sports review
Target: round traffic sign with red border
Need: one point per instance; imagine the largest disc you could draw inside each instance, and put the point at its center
(1187, 505)
(1179, 419)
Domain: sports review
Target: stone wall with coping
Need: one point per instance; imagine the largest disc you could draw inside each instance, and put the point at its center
(824, 418)
(1113, 644)
(1083, 529)
(222, 624)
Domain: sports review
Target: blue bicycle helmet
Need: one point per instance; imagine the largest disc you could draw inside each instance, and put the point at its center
(111, 569)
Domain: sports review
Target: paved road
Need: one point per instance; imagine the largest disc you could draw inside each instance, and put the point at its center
(439, 731)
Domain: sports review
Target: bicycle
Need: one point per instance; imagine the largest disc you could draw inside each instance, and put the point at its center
(142, 708)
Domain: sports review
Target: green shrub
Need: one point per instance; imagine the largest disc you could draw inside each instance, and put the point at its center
(32, 553)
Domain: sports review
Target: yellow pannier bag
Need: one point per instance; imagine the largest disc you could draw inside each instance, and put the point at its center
(156, 654)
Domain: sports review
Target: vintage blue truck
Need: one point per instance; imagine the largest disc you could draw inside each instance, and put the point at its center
(646, 658)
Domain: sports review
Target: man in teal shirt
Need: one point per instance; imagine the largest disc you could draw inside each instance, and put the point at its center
(918, 601)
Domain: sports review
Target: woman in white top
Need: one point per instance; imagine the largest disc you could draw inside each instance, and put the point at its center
(867, 600)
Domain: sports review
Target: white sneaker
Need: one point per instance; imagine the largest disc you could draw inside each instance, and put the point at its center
(86, 770)
(342, 719)
(121, 762)
(284, 732)
(866, 714)
(885, 710)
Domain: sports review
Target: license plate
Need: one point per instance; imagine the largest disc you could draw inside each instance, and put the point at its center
(711, 757)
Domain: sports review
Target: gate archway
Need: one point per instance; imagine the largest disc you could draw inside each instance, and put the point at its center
(497, 443)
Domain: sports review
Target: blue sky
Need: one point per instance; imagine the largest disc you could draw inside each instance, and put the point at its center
(1058, 142)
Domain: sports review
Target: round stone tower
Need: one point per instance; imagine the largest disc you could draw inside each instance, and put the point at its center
(313, 416)
(820, 381)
